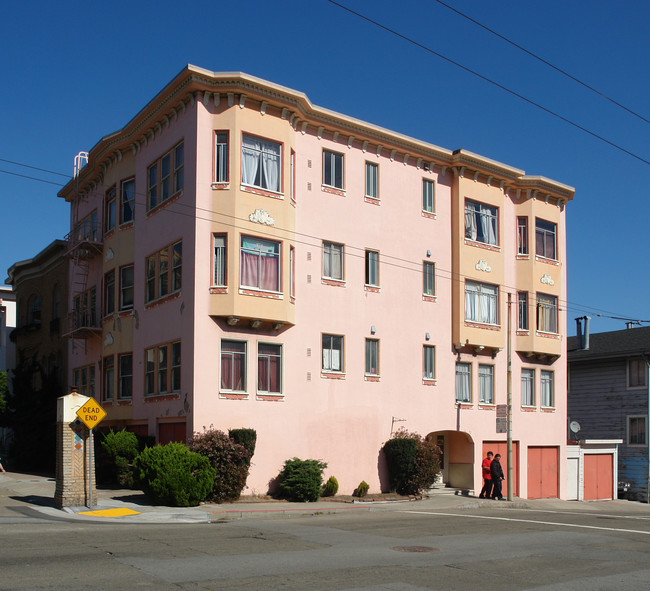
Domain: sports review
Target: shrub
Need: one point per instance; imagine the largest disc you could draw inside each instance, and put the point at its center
(121, 448)
(301, 480)
(331, 487)
(413, 462)
(361, 490)
(230, 460)
(173, 475)
(245, 437)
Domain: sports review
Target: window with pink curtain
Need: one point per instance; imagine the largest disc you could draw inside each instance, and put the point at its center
(233, 365)
(260, 264)
(269, 368)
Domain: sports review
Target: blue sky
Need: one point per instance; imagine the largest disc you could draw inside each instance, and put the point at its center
(73, 72)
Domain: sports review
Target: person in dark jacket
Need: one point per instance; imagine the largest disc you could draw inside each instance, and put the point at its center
(496, 472)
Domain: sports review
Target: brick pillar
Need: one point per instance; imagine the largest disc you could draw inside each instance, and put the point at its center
(73, 455)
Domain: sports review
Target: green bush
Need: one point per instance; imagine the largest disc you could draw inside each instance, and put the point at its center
(230, 460)
(245, 437)
(361, 490)
(120, 449)
(413, 462)
(173, 475)
(301, 480)
(331, 487)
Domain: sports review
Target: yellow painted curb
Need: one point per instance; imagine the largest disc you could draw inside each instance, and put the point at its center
(110, 512)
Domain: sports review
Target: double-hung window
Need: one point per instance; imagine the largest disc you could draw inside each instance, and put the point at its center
(463, 382)
(372, 180)
(164, 272)
(481, 302)
(428, 362)
(233, 365)
(109, 293)
(260, 264)
(546, 239)
(126, 287)
(127, 208)
(165, 177)
(163, 369)
(269, 368)
(333, 169)
(527, 386)
(126, 376)
(372, 268)
(428, 278)
(522, 310)
(332, 353)
(108, 378)
(637, 373)
(333, 261)
(547, 389)
(219, 277)
(83, 379)
(372, 357)
(546, 313)
(261, 163)
(637, 430)
(111, 204)
(481, 223)
(428, 195)
(221, 157)
(486, 384)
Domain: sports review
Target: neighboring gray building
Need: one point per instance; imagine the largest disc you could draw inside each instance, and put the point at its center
(609, 396)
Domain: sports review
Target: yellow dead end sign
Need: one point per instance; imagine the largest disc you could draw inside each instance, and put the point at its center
(91, 413)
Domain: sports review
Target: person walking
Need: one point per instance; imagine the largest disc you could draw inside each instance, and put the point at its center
(496, 473)
(486, 491)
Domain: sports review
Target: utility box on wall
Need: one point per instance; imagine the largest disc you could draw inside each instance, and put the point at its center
(74, 455)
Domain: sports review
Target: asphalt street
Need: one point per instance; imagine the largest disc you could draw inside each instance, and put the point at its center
(437, 544)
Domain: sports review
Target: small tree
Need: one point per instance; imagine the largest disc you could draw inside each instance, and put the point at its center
(173, 475)
(230, 460)
(301, 480)
(413, 462)
(331, 487)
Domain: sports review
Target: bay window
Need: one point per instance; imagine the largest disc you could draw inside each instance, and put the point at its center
(546, 313)
(261, 163)
(481, 222)
(481, 302)
(546, 239)
(260, 264)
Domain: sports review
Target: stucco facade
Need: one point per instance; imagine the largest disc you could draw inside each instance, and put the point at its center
(262, 262)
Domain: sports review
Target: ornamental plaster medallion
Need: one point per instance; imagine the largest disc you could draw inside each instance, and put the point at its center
(547, 279)
(261, 216)
(108, 340)
(482, 265)
(110, 255)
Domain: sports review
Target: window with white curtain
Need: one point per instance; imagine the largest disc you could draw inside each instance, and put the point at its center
(527, 387)
(546, 313)
(219, 269)
(261, 161)
(333, 261)
(547, 389)
(481, 302)
(486, 384)
(463, 382)
(332, 352)
(481, 222)
(221, 157)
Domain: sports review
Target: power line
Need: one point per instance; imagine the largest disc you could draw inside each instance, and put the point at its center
(546, 62)
(34, 167)
(494, 83)
(33, 178)
(416, 266)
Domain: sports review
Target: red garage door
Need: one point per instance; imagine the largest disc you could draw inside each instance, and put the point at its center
(501, 447)
(598, 477)
(543, 472)
(168, 432)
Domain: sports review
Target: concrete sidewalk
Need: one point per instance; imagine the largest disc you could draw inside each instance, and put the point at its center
(20, 491)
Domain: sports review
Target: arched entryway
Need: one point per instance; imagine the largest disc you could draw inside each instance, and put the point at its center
(457, 461)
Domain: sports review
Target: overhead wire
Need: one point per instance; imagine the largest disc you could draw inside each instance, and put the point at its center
(493, 82)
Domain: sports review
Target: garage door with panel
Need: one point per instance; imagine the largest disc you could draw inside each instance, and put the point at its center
(543, 472)
(598, 477)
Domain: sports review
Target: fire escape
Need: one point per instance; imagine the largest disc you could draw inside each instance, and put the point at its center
(84, 244)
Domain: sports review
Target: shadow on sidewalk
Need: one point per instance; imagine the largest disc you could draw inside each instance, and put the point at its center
(35, 500)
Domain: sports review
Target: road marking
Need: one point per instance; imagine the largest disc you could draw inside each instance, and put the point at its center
(590, 514)
(628, 531)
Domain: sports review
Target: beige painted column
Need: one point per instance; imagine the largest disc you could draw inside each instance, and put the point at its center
(72, 454)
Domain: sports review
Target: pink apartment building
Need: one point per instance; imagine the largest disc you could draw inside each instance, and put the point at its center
(243, 258)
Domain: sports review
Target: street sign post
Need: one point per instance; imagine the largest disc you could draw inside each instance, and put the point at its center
(91, 414)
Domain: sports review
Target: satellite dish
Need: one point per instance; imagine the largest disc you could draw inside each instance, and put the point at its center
(574, 426)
